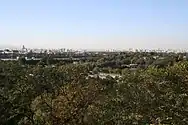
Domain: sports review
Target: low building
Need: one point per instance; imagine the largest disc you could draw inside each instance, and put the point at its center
(15, 51)
(1, 51)
(8, 51)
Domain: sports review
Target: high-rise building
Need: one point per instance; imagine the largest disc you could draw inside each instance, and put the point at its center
(24, 50)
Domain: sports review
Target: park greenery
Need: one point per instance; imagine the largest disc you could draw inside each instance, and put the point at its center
(53, 92)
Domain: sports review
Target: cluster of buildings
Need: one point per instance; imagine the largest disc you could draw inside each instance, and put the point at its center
(25, 50)
(14, 51)
(62, 53)
(38, 53)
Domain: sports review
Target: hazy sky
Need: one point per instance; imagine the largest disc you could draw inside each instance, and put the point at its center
(103, 24)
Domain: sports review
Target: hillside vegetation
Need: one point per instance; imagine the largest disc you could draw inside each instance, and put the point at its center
(65, 94)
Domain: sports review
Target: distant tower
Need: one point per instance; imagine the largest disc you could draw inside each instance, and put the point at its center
(24, 50)
(23, 47)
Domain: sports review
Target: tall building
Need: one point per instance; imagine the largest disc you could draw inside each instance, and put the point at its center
(23, 50)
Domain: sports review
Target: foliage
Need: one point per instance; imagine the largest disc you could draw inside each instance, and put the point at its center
(65, 94)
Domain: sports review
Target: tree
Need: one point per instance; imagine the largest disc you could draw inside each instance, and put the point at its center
(96, 70)
(22, 61)
(66, 95)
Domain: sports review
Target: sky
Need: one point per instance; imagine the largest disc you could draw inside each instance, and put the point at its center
(94, 24)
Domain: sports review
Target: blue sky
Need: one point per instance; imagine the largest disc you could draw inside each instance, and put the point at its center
(101, 24)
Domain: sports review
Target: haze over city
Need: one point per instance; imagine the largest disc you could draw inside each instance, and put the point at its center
(94, 24)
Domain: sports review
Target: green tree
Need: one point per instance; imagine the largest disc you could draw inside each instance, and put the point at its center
(22, 61)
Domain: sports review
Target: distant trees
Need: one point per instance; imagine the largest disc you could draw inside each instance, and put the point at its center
(96, 70)
(22, 61)
(179, 58)
(161, 63)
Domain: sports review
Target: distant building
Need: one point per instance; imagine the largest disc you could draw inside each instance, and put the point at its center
(15, 51)
(8, 51)
(133, 65)
(1, 51)
(24, 50)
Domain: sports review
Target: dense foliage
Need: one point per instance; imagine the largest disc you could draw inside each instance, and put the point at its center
(65, 94)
